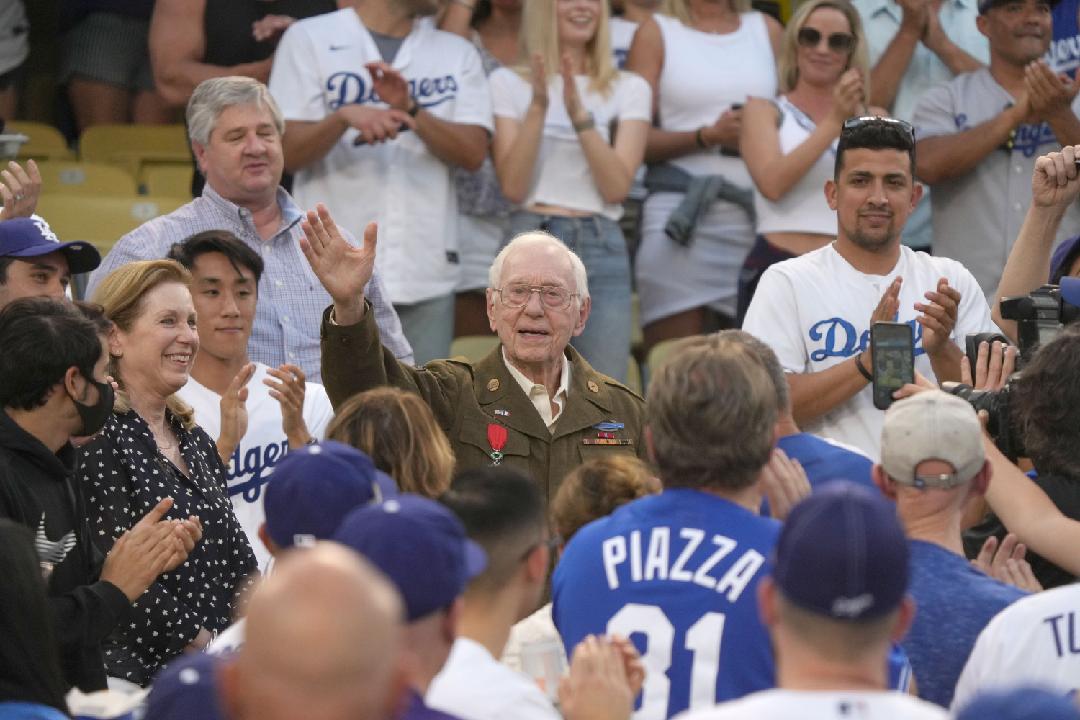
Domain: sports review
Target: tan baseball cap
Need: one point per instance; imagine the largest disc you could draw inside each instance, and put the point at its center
(932, 425)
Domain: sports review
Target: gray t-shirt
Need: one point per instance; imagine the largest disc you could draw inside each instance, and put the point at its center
(977, 216)
(14, 35)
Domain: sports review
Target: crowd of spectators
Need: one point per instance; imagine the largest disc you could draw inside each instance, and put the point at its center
(240, 478)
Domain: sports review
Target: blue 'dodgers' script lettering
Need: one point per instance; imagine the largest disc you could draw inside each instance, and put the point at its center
(836, 337)
(350, 88)
(250, 468)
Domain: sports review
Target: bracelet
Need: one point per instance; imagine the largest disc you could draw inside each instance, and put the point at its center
(862, 368)
(699, 138)
(414, 107)
(587, 124)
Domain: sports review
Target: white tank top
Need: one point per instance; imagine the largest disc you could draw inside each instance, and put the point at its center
(803, 208)
(703, 74)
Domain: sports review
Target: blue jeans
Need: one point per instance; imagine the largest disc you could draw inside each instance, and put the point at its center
(600, 244)
(429, 327)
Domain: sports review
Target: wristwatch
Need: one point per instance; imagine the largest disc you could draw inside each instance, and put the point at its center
(587, 124)
(414, 107)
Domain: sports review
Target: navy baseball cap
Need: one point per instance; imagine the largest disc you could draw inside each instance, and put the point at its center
(842, 553)
(314, 487)
(420, 545)
(1024, 703)
(1064, 256)
(186, 689)
(32, 237)
(987, 5)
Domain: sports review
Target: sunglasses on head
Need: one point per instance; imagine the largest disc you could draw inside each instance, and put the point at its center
(857, 122)
(838, 42)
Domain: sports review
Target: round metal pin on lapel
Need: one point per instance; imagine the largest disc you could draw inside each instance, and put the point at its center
(593, 387)
(493, 384)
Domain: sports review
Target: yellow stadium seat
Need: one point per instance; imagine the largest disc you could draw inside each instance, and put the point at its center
(473, 347)
(46, 142)
(633, 375)
(67, 177)
(100, 219)
(658, 353)
(168, 180)
(135, 146)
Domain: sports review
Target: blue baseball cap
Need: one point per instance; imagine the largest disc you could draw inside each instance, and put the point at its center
(1024, 703)
(186, 689)
(32, 237)
(420, 545)
(314, 487)
(842, 553)
(1063, 257)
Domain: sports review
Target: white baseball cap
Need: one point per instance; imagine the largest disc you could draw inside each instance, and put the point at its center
(932, 425)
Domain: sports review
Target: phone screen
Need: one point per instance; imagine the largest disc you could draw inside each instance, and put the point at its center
(893, 348)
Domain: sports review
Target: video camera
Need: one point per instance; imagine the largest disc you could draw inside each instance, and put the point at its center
(1040, 316)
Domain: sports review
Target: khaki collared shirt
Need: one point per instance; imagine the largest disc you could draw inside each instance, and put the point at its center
(538, 393)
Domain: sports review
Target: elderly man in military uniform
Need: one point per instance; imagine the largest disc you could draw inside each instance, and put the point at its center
(533, 404)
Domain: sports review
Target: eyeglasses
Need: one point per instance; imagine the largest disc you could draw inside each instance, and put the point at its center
(809, 37)
(517, 295)
(855, 123)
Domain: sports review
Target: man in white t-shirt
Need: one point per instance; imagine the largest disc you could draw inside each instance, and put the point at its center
(268, 411)
(379, 106)
(836, 600)
(1034, 641)
(815, 311)
(503, 511)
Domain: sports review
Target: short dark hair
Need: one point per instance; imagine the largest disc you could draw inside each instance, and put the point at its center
(503, 511)
(1048, 405)
(874, 134)
(219, 241)
(5, 263)
(41, 338)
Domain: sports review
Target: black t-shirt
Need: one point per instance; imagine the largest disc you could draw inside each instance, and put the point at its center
(1065, 494)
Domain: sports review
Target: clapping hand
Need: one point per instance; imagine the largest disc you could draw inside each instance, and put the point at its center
(597, 686)
(287, 385)
(270, 27)
(784, 483)
(938, 318)
(390, 85)
(1048, 92)
(538, 80)
(234, 417)
(571, 97)
(1007, 563)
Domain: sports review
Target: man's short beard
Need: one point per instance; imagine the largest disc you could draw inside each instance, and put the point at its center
(872, 244)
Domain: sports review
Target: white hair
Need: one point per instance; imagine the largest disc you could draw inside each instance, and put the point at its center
(536, 238)
(212, 97)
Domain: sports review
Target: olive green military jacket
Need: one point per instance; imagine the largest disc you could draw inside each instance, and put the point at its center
(467, 399)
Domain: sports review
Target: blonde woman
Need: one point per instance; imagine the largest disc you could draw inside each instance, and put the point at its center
(150, 449)
(569, 135)
(398, 432)
(704, 59)
(789, 143)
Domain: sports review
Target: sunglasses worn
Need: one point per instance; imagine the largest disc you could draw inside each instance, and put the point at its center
(857, 122)
(838, 42)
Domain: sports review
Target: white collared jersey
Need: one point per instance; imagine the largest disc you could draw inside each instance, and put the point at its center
(319, 67)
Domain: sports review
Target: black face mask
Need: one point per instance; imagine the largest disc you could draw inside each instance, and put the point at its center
(94, 416)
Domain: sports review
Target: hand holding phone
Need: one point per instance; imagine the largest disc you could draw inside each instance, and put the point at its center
(893, 347)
